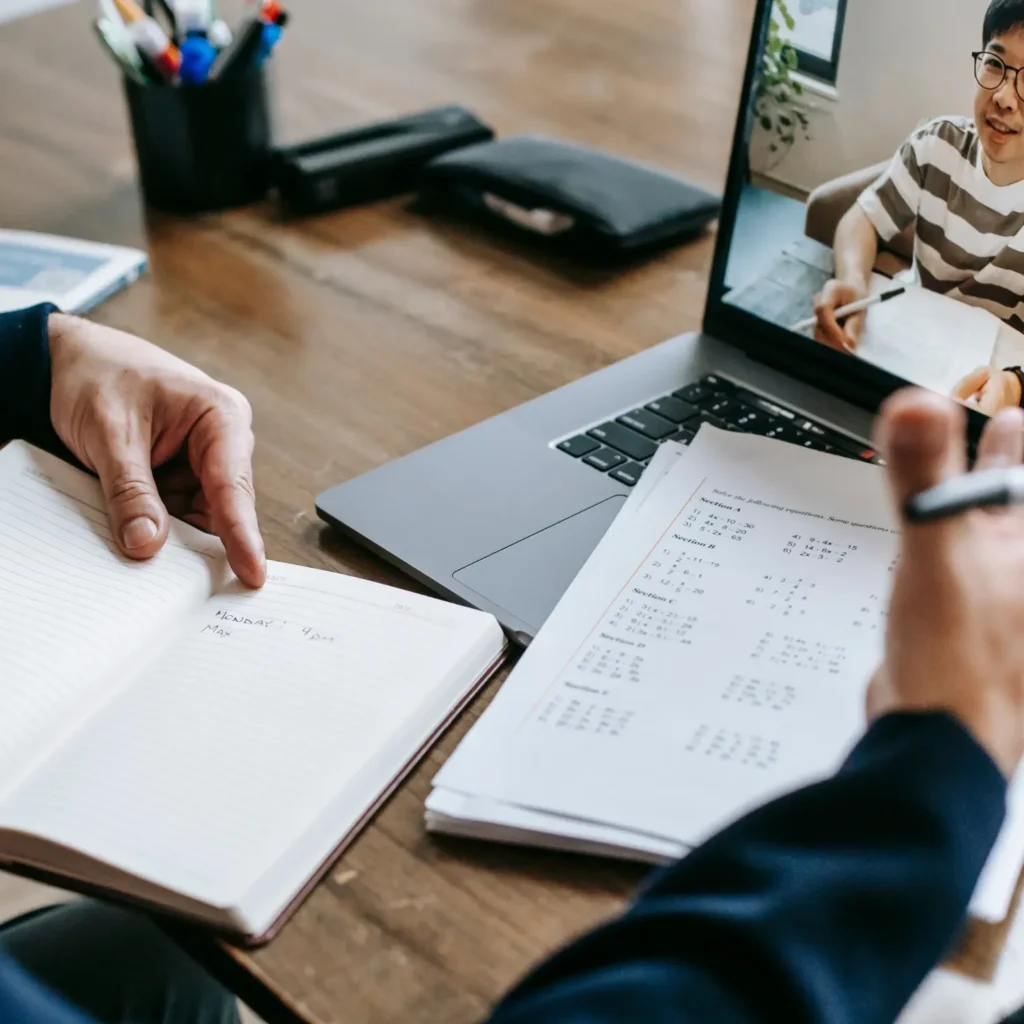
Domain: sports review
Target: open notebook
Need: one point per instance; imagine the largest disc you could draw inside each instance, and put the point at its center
(713, 653)
(168, 737)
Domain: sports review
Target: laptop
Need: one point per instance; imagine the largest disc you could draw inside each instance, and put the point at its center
(503, 515)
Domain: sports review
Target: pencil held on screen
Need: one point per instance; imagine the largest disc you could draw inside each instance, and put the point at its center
(990, 488)
(854, 307)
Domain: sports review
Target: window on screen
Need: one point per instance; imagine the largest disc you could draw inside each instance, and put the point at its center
(817, 35)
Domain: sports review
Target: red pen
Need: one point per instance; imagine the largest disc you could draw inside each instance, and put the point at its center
(271, 12)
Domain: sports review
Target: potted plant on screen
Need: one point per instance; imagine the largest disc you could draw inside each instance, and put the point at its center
(781, 114)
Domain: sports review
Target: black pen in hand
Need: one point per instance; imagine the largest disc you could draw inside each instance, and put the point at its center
(989, 488)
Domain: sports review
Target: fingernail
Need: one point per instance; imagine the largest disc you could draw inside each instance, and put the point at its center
(137, 533)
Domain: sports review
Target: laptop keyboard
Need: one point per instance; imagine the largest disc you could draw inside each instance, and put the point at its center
(624, 446)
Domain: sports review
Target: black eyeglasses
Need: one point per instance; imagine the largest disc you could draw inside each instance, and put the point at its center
(991, 70)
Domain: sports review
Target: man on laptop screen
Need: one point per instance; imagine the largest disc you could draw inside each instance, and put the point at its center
(951, 202)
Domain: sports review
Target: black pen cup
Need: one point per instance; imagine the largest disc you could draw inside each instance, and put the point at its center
(202, 147)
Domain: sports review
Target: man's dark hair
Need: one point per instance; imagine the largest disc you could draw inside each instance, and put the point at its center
(1001, 17)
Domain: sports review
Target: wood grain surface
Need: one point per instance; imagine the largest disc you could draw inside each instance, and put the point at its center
(364, 334)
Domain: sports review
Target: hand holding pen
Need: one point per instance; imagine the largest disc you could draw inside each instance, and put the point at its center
(955, 638)
(997, 481)
(840, 313)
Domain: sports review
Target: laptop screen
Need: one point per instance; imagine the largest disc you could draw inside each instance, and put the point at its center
(889, 180)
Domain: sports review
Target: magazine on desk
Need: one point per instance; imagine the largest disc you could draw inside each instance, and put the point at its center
(171, 738)
(73, 274)
(713, 653)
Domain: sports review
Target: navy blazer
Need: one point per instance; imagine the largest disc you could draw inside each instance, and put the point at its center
(828, 906)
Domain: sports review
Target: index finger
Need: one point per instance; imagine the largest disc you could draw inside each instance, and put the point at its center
(220, 450)
(853, 328)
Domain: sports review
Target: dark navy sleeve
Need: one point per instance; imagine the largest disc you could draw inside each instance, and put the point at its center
(827, 906)
(24, 1001)
(25, 377)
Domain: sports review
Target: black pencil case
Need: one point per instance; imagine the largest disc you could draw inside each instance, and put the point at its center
(576, 198)
(371, 162)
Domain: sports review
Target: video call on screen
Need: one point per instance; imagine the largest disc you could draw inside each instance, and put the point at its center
(902, 178)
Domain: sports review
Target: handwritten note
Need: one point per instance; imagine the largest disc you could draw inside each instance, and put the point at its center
(263, 708)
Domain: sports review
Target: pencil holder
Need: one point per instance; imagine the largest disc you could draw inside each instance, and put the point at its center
(202, 147)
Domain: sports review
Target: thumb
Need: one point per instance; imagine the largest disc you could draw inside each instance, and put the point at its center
(137, 515)
(972, 383)
(880, 697)
(922, 436)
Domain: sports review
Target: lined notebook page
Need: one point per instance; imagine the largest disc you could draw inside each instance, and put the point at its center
(71, 607)
(204, 771)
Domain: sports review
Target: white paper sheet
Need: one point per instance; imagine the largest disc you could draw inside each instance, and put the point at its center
(927, 338)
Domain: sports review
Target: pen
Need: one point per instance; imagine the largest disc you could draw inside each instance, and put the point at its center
(192, 20)
(113, 39)
(163, 7)
(990, 488)
(271, 12)
(149, 38)
(854, 307)
(192, 16)
(269, 38)
(197, 57)
(220, 34)
(242, 52)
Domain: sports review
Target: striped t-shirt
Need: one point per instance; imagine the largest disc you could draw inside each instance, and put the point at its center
(970, 233)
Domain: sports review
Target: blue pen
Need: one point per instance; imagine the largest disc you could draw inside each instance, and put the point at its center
(197, 57)
(269, 38)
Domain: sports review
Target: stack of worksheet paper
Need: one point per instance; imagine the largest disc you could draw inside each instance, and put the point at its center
(713, 653)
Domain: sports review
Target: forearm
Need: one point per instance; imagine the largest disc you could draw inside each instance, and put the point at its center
(856, 248)
(803, 911)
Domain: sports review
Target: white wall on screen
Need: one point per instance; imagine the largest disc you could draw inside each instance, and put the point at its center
(902, 63)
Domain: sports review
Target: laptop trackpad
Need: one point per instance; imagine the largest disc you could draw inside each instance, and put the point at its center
(529, 577)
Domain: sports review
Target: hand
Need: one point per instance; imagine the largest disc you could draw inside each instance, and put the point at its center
(126, 408)
(989, 390)
(835, 295)
(955, 640)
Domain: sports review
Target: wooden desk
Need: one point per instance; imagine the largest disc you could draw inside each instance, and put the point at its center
(362, 335)
(365, 334)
